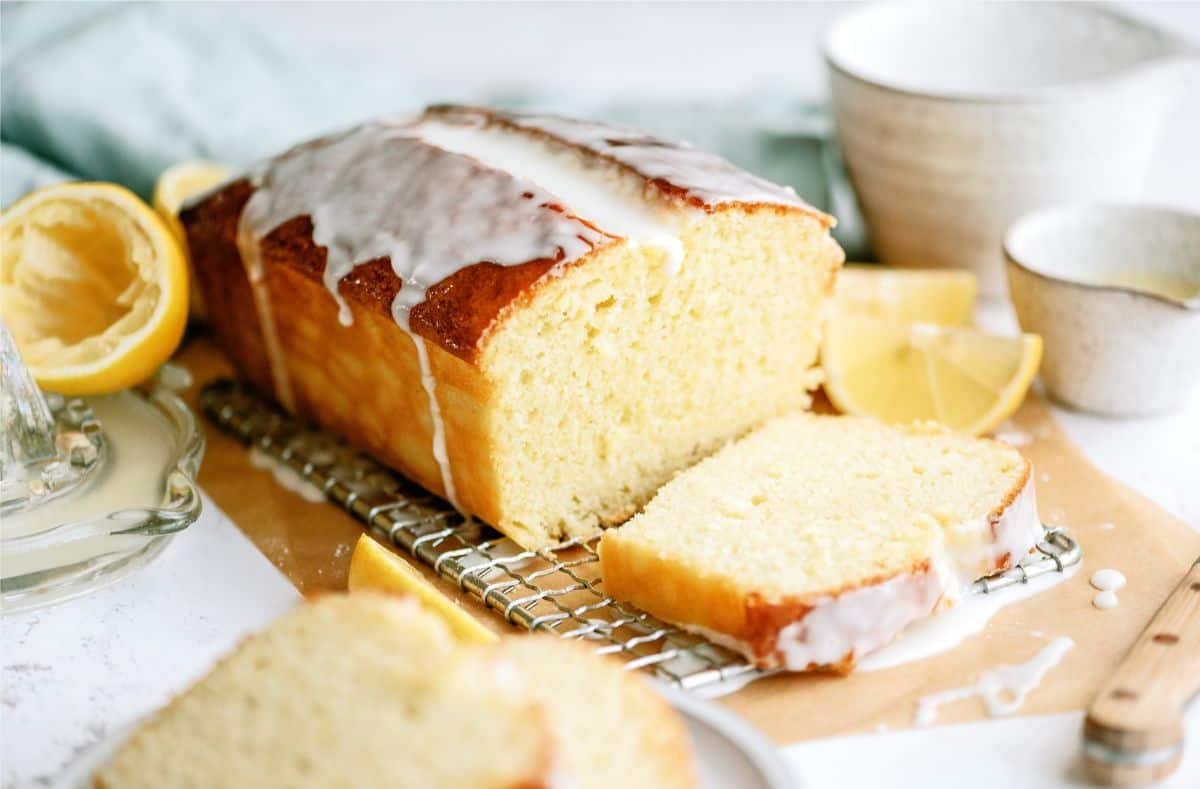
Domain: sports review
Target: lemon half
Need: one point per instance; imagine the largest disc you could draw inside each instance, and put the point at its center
(374, 567)
(904, 372)
(93, 287)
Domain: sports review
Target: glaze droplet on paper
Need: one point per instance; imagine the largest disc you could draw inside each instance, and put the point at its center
(1107, 581)
(1002, 689)
(1013, 435)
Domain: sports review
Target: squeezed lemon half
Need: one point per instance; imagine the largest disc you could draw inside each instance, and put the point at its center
(374, 567)
(904, 372)
(943, 296)
(93, 287)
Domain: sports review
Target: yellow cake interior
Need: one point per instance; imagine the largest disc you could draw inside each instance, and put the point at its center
(645, 371)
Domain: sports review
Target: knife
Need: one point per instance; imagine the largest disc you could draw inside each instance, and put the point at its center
(1133, 732)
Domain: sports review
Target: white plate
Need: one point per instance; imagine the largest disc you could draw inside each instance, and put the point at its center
(729, 751)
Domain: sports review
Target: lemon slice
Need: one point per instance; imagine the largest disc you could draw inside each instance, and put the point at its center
(182, 181)
(374, 567)
(905, 372)
(941, 296)
(93, 287)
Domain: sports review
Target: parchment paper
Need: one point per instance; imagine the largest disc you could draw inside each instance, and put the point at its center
(311, 543)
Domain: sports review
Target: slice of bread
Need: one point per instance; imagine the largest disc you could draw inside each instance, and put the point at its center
(363, 690)
(370, 690)
(614, 730)
(816, 539)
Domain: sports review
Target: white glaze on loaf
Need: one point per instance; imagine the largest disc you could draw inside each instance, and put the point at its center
(854, 624)
(859, 622)
(839, 630)
(381, 190)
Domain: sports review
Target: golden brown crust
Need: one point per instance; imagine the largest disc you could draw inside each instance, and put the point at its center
(549, 772)
(995, 515)
(459, 311)
(211, 229)
(372, 397)
(662, 747)
(456, 314)
(1007, 560)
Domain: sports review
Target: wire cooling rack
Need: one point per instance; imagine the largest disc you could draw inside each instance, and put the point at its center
(555, 590)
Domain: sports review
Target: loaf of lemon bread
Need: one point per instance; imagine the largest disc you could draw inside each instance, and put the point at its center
(372, 691)
(540, 319)
(816, 539)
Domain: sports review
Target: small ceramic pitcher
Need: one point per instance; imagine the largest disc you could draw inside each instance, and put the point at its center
(1114, 291)
(956, 118)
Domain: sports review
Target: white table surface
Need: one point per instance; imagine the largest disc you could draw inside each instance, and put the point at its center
(75, 673)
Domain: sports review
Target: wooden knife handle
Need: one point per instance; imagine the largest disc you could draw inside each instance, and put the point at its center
(1133, 732)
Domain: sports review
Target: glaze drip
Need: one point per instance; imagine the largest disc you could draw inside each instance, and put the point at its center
(250, 251)
(440, 452)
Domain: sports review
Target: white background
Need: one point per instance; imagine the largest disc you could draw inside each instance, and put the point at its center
(676, 50)
(75, 674)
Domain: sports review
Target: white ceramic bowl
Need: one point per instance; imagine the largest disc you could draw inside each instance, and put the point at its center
(954, 119)
(1114, 290)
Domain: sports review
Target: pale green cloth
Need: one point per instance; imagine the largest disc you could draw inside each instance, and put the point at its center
(118, 92)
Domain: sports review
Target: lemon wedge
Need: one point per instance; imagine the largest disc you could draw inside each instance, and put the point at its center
(904, 372)
(180, 182)
(374, 567)
(942, 296)
(93, 287)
